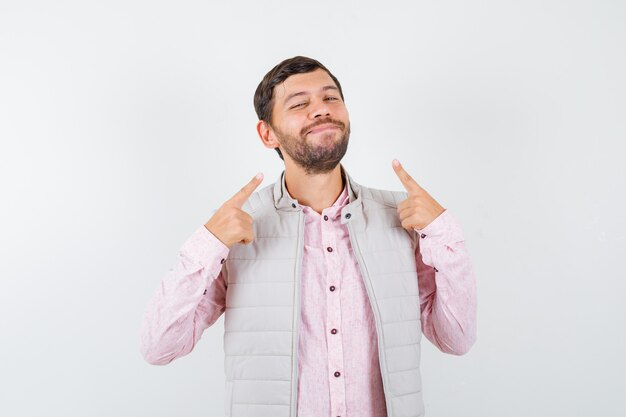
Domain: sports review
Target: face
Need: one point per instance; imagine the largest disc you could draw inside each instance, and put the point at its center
(310, 121)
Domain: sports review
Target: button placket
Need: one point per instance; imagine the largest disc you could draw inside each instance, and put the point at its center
(333, 318)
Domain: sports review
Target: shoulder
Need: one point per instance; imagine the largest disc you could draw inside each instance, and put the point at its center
(260, 202)
(382, 198)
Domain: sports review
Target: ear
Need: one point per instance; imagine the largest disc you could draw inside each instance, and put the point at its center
(266, 134)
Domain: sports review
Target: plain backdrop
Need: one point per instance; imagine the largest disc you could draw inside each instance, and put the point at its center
(124, 123)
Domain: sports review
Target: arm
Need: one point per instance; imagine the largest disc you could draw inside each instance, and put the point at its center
(447, 286)
(189, 299)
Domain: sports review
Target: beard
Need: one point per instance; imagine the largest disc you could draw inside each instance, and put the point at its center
(317, 155)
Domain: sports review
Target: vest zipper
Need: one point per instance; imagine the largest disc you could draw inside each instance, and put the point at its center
(296, 314)
(366, 280)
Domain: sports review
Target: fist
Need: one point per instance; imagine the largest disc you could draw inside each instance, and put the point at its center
(419, 209)
(230, 224)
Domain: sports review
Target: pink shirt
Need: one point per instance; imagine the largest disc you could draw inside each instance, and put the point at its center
(338, 366)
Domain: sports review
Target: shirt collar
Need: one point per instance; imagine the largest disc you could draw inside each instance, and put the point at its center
(348, 199)
(343, 199)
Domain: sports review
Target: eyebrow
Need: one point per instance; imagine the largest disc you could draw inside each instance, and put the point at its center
(303, 93)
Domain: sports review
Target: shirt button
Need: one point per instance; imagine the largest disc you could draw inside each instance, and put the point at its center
(204, 293)
(337, 374)
(348, 215)
(423, 236)
(293, 205)
(325, 217)
(334, 331)
(222, 261)
(332, 288)
(436, 270)
(329, 249)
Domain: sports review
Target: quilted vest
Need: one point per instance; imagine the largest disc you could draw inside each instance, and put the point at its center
(263, 301)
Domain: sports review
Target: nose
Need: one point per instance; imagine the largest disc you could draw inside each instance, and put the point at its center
(319, 108)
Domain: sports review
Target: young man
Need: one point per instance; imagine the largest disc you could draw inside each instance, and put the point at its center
(326, 285)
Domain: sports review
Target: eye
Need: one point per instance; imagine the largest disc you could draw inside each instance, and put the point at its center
(297, 105)
(332, 98)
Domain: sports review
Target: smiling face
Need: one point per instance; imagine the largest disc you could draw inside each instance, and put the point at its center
(310, 122)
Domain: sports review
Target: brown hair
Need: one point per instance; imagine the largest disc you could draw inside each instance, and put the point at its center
(264, 94)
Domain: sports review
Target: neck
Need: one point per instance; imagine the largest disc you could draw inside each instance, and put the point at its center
(317, 191)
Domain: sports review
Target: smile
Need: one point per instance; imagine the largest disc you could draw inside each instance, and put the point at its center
(324, 127)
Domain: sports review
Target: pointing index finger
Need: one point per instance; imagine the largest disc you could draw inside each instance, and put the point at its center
(407, 181)
(246, 191)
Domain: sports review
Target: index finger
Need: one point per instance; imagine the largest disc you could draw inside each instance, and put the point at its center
(246, 191)
(409, 183)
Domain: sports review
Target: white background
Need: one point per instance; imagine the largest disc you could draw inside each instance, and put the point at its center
(123, 123)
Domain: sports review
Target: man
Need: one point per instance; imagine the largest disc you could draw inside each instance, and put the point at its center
(326, 284)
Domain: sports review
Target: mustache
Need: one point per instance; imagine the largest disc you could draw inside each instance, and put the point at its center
(312, 126)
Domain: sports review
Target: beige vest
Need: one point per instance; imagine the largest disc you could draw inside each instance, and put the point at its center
(263, 301)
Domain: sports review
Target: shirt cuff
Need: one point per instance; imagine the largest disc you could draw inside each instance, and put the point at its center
(445, 229)
(206, 249)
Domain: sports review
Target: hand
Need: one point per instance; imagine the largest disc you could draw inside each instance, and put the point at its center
(230, 224)
(419, 209)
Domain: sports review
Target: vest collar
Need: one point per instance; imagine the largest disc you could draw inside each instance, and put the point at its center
(283, 201)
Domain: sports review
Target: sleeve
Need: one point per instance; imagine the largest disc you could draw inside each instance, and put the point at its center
(447, 286)
(189, 299)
